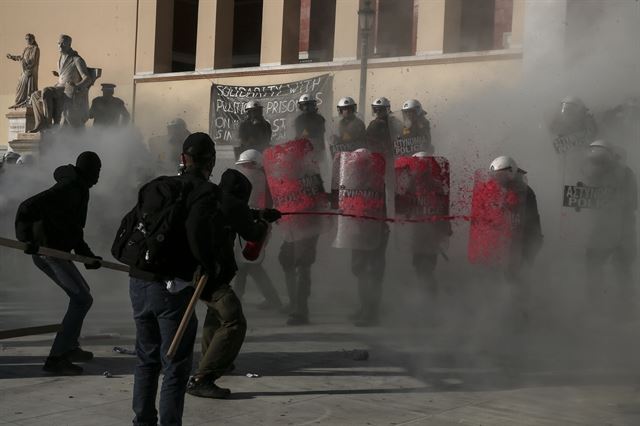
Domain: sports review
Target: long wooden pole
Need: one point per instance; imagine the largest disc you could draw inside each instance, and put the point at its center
(58, 254)
(187, 317)
(30, 331)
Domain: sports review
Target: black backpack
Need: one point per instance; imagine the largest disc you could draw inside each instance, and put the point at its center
(151, 233)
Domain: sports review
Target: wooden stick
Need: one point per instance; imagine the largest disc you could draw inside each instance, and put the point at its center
(30, 331)
(187, 317)
(58, 254)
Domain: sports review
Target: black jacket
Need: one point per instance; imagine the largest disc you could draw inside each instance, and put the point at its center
(254, 135)
(55, 218)
(196, 245)
(531, 228)
(311, 125)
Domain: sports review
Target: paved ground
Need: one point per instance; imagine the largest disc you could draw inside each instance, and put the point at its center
(464, 364)
(417, 376)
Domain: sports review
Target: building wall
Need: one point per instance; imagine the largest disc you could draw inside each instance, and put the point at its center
(120, 37)
(103, 32)
(435, 83)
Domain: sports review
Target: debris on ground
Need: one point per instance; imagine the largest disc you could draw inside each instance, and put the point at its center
(124, 351)
(357, 354)
(107, 374)
(252, 375)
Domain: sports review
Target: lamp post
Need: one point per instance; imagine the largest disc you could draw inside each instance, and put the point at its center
(366, 15)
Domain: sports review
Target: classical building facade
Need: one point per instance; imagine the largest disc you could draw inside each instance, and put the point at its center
(164, 55)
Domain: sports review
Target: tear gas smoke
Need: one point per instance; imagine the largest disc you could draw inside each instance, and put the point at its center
(599, 63)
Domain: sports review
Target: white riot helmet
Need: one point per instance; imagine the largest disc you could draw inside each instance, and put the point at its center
(307, 103)
(381, 102)
(412, 104)
(346, 102)
(177, 122)
(507, 164)
(421, 154)
(250, 156)
(251, 105)
(306, 98)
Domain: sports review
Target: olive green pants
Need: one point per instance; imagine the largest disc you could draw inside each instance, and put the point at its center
(222, 334)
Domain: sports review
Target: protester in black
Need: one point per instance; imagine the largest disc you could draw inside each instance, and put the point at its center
(55, 219)
(160, 299)
(225, 325)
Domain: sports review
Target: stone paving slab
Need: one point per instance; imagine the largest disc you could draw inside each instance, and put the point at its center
(416, 375)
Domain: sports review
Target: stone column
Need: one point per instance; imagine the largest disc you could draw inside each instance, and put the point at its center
(346, 31)
(517, 24)
(452, 23)
(155, 36)
(431, 20)
(272, 24)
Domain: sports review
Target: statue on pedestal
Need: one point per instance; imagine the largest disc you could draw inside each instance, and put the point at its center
(66, 103)
(107, 110)
(28, 82)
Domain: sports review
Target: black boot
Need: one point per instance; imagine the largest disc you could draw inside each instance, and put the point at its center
(206, 387)
(61, 367)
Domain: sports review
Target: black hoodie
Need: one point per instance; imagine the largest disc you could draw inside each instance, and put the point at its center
(55, 218)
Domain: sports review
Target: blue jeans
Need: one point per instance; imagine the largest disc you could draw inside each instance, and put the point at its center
(157, 314)
(66, 275)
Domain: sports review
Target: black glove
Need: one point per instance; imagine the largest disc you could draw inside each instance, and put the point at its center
(270, 215)
(31, 248)
(96, 264)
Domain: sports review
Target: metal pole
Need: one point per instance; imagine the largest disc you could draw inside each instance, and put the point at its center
(364, 56)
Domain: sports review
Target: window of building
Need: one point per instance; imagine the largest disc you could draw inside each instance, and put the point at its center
(477, 25)
(185, 31)
(247, 33)
(317, 29)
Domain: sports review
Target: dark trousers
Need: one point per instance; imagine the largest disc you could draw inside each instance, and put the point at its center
(262, 280)
(296, 258)
(425, 266)
(622, 259)
(223, 333)
(157, 314)
(66, 275)
(368, 266)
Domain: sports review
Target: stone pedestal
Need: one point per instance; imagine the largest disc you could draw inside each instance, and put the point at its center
(26, 143)
(20, 121)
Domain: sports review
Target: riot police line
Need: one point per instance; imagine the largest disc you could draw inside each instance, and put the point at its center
(387, 166)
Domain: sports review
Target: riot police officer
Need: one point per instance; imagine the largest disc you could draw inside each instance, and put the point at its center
(351, 132)
(612, 230)
(309, 123)
(416, 124)
(254, 132)
(383, 129)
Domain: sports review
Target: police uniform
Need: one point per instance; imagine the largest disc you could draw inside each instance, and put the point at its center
(108, 110)
(311, 125)
(253, 135)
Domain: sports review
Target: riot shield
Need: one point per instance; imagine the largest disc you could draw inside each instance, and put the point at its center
(495, 234)
(293, 177)
(422, 193)
(409, 145)
(361, 192)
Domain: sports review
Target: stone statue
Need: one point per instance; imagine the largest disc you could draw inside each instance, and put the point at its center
(66, 103)
(107, 110)
(28, 82)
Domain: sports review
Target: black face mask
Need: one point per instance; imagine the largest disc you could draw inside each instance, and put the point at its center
(90, 177)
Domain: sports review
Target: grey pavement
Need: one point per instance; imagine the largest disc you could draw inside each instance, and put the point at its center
(462, 362)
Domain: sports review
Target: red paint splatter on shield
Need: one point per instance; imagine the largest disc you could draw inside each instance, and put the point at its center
(422, 186)
(493, 210)
(362, 188)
